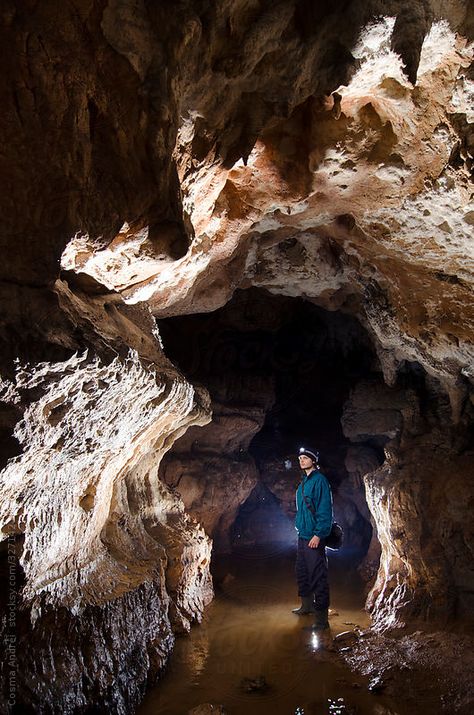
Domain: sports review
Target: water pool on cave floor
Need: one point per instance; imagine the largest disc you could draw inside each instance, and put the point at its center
(249, 631)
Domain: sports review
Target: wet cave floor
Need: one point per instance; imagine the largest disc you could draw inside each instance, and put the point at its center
(249, 631)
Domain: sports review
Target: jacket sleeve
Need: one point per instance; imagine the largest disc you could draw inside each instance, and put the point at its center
(322, 500)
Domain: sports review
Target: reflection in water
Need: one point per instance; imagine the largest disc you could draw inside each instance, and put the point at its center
(249, 634)
(196, 655)
(337, 707)
(315, 644)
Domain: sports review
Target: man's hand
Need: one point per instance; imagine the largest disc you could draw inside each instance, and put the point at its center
(313, 543)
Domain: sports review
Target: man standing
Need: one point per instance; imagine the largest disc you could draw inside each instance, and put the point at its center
(313, 523)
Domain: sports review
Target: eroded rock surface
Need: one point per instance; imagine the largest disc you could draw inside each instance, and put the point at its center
(77, 479)
(170, 156)
(360, 201)
(111, 564)
(209, 466)
(406, 666)
(426, 470)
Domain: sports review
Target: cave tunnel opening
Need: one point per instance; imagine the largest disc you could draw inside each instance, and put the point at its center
(279, 371)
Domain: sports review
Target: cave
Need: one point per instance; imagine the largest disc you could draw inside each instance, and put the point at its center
(230, 230)
(279, 371)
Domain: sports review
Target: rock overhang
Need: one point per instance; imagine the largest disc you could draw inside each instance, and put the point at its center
(371, 187)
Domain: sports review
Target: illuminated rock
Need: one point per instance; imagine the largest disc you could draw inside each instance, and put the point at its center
(427, 468)
(107, 552)
(170, 157)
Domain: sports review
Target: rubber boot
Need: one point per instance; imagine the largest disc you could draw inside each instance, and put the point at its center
(306, 606)
(321, 620)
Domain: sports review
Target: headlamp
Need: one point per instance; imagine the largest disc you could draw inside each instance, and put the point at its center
(314, 455)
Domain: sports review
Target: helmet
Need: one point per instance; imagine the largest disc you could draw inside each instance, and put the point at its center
(312, 454)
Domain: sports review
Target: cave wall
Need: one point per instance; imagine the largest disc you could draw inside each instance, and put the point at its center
(156, 159)
(420, 498)
(110, 566)
(210, 466)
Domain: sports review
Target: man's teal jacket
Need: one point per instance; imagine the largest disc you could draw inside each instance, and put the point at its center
(318, 492)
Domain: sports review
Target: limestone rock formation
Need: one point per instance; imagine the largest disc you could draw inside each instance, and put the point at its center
(107, 552)
(209, 466)
(67, 493)
(155, 159)
(375, 203)
(423, 524)
(361, 460)
(212, 489)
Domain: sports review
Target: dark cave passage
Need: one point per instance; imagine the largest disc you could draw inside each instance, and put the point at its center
(279, 371)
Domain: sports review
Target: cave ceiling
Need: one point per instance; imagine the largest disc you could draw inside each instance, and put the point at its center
(322, 152)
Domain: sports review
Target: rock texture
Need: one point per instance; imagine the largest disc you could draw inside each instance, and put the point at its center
(426, 472)
(406, 666)
(361, 460)
(67, 493)
(209, 466)
(156, 159)
(211, 488)
(111, 565)
(365, 190)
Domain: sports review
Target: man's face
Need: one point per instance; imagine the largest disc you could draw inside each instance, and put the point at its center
(305, 461)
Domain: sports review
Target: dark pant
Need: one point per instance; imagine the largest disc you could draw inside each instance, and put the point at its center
(312, 573)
